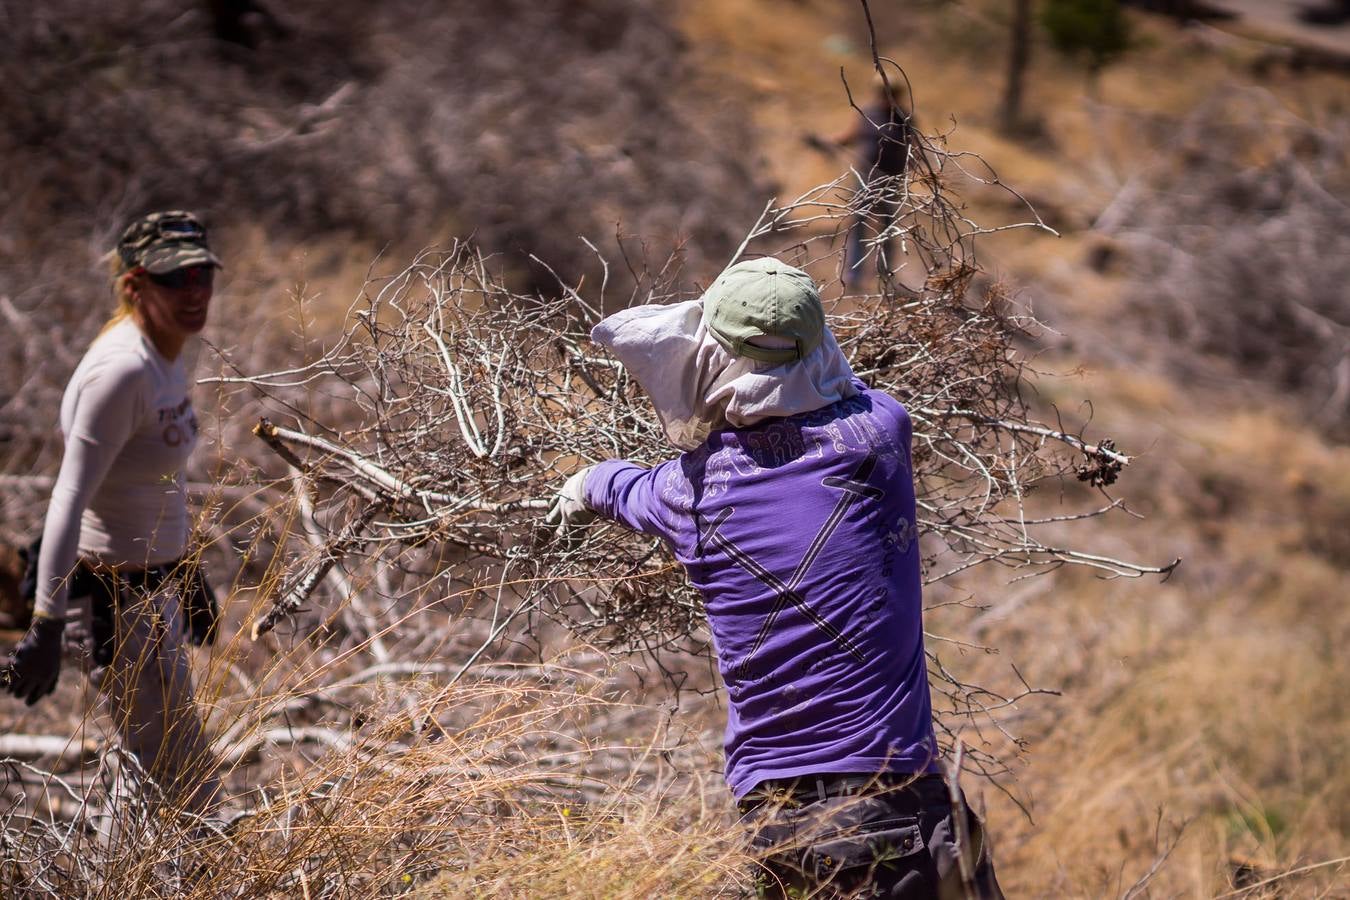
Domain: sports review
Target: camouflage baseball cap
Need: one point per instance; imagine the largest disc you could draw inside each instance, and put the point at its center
(164, 241)
(765, 298)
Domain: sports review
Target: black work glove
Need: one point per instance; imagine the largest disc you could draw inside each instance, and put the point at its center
(35, 663)
(28, 585)
(201, 613)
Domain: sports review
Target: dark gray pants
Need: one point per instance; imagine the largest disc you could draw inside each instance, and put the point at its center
(832, 838)
(133, 647)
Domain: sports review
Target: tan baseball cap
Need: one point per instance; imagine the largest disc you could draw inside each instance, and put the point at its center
(163, 241)
(765, 301)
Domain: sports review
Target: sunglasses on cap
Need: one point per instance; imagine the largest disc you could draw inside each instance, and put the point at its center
(185, 278)
(176, 228)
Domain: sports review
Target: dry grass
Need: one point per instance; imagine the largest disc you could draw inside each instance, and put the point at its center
(1208, 719)
(517, 783)
(1211, 701)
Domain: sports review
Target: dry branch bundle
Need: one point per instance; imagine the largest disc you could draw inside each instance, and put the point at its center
(436, 429)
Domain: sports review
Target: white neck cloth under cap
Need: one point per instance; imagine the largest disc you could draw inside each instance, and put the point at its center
(698, 387)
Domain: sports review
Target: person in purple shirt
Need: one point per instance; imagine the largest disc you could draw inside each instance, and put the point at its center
(792, 510)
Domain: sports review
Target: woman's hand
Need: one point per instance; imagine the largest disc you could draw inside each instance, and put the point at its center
(35, 664)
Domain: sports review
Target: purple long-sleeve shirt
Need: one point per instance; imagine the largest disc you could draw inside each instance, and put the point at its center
(800, 534)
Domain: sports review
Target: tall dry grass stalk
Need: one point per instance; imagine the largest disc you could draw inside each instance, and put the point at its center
(513, 786)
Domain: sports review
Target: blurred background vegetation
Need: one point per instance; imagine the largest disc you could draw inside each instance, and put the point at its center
(1191, 156)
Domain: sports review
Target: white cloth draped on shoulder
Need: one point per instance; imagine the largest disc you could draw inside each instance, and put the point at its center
(698, 387)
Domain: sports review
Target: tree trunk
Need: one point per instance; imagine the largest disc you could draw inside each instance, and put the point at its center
(243, 21)
(1019, 56)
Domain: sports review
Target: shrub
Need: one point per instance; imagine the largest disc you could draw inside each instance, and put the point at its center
(1241, 236)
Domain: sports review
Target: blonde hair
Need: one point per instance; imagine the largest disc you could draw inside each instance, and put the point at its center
(121, 287)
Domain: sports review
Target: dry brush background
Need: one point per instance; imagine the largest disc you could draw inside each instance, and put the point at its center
(454, 705)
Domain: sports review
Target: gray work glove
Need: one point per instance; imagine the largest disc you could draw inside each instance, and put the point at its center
(35, 663)
(569, 509)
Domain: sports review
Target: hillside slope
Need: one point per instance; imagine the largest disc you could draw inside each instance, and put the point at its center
(1211, 706)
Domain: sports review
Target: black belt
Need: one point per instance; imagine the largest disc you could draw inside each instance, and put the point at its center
(148, 579)
(90, 581)
(103, 588)
(817, 788)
